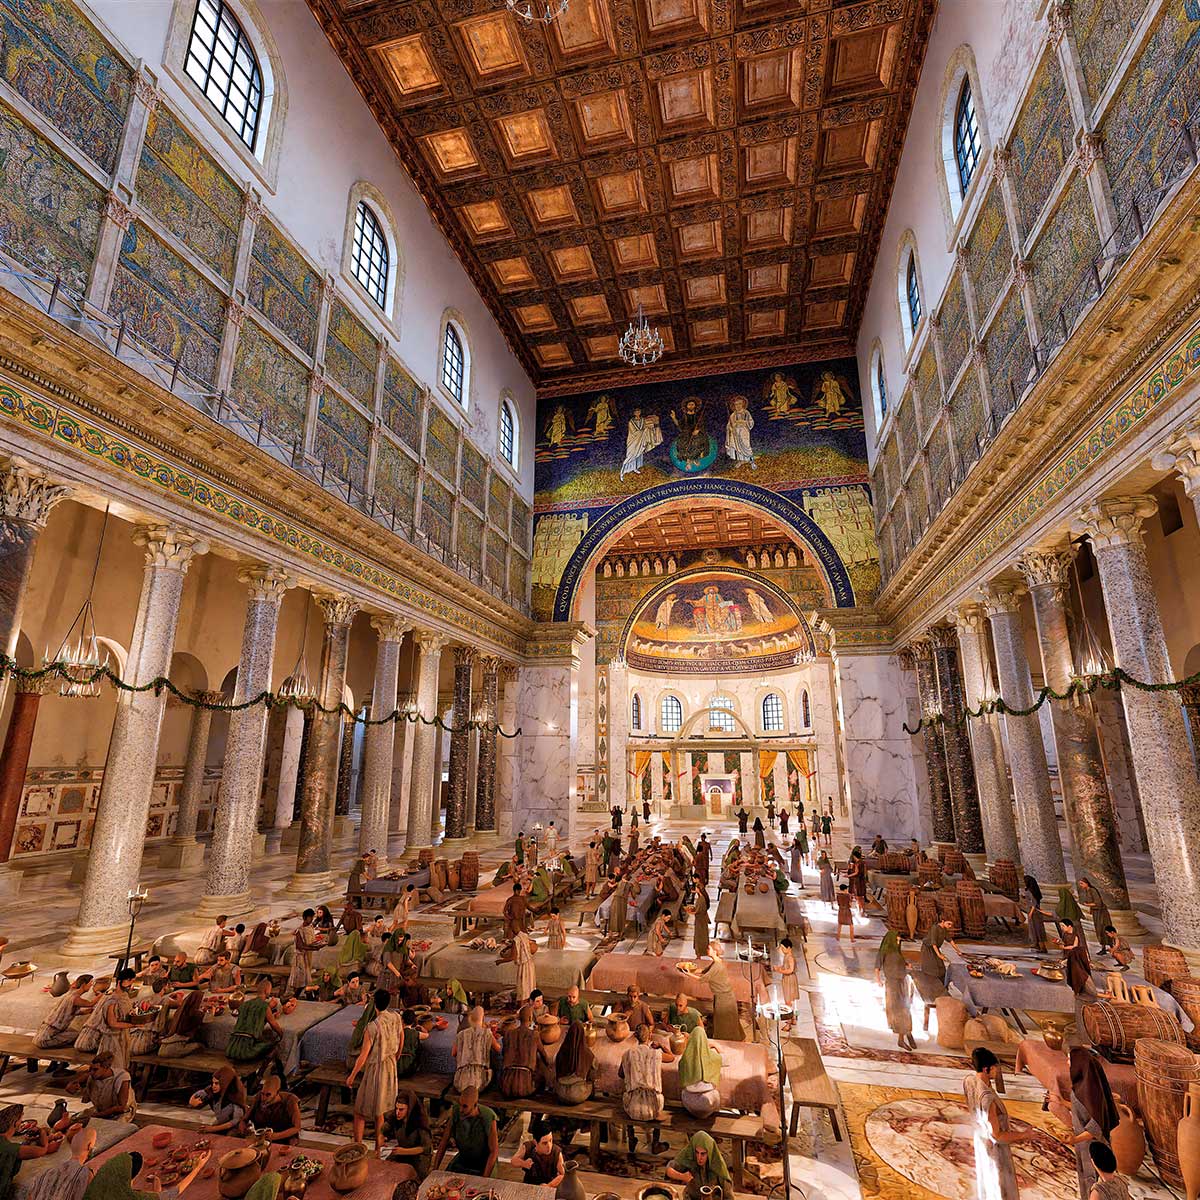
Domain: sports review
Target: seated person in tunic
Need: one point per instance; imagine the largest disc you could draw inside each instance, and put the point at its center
(105, 1088)
(700, 1164)
(683, 1015)
(55, 1029)
(273, 1113)
(540, 1158)
(257, 1030)
(182, 975)
(67, 1180)
(222, 977)
(636, 1009)
(408, 1127)
(537, 1004)
(214, 940)
(571, 1008)
(154, 973)
(225, 1099)
(472, 1128)
(352, 991)
(13, 1153)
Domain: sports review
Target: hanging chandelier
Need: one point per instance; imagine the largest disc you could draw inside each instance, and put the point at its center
(297, 687)
(1090, 659)
(640, 344)
(543, 12)
(79, 657)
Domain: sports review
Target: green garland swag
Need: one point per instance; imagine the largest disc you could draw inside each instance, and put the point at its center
(8, 667)
(1085, 686)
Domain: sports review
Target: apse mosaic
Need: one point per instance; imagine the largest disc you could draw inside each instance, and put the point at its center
(785, 439)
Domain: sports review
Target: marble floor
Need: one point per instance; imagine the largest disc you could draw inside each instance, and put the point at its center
(908, 1134)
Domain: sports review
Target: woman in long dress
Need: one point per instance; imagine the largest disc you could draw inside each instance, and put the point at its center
(591, 868)
(856, 876)
(524, 948)
(304, 942)
(659, 935)
(700, 932)
(996, 1174)
(473, 1048)
(556, 938)
(1035, 915)
(891, 971)
(1079, 962)
(727, 1025)
(114, 1012)
(1093, 900)
(1094, 1112)
(796, 851)
(760, 834)
(825, 869)
(789, 983)
(376, 1095)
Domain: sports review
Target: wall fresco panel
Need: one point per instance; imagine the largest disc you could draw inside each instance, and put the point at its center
(283, 287)
(518, 578)
(937, 459)
(402, 405)
(441, 443)
(351, 354)
(395, 481)
(906, 430)
(270, 383)
(342, 438)
(496, 568)
(498, 497)
(473, 483)
(1041, 141)
(989, 253)
(519, 525)
(469, 546)
(927, 388)
(967, 417)
(1008, 354)
(954, 332)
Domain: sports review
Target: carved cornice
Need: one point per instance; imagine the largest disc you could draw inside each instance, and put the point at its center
(851, 630)
(1182, 455)
(558, 641)
(1115, 522)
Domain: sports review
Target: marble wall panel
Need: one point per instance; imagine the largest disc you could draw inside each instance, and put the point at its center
(56, 61)
(1060, 261)
(955, 330)
(545, 767)
(49, 210)
(1041, 141)
(496, 567)
(469, 542)
(270, 383)
(395, 480)
(182, 186)
(342, 438)
(989, 253)
(1102, 29)
(518, 526)
(441, 444)
(283, 287)
(472, 484)
(402, 405)
(351, 354)
(1007, 351)
(437, 512)
(168, 303)
(1158, 95)
(499, 494)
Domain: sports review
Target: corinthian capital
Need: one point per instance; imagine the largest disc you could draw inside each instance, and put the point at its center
(1001, 598)
(906, 659)
(390, 628)
(1047, 568)
(429, 641)
(1089, 151)
(464, 656)
(942, 637)
(969, 618)
(489, 664)
(1116, 521)
(1058, 21)
(266, 583)
(168, 548)
(339, 609)
(27, 493)
(1182, 455)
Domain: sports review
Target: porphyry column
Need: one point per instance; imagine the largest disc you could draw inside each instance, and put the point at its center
(119, 835)
(379, 751)
(1162, 759)
(1037, 824)
(460, 744)
(420, 802)
(227, 888)
(488, 716)
(1088, 806)
(312, 876)
(182, 850)
(991, 778)
(14, 762)
(960, 769)
(941, 808)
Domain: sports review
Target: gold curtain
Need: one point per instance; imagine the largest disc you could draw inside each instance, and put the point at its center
(641, 760)
(799, 760)
(766, 762)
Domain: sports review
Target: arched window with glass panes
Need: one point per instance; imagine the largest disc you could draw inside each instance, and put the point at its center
(454, 363)
(968, 146)
(670, 715)
(720, 714)
(881, 386)
(912, 291)
(370, 259)
(635, 711)
(805, 710)
(508, 434)
(221, 62)
(772, 713)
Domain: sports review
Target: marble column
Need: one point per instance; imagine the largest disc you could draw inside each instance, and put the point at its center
(506, 751)
(940, 804)
(1162, 757)
(619, 779)
(343, 795)
(991, 778)
(960, 767)
(424, 781)
(488, 710)
(14, 762)
(119, 834)
(182, 850)
(312, 877)
(656, 783)
(289, 775)
(379, 755)
(235, 823)
(1096, 850)
(1037, 823)
(472, 766)
(460, 744)
(406, 732)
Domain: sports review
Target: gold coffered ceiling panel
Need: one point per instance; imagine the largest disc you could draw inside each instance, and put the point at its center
(727, 164)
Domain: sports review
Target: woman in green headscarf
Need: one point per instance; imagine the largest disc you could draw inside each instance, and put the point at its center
(891, 970)
(700, 1165)
(114, 1180)
(1068, 907)
(699, 1063)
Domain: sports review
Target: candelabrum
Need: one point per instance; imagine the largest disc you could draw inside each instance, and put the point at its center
(136, 898)
(541, 12)
(641, 344)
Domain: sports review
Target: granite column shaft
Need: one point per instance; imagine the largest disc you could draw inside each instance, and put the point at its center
(182, 850)
(420, 802)
(14, 760)
(960, 768)
(940, 804)
(460, 744)
(379, 750)
(488, 712)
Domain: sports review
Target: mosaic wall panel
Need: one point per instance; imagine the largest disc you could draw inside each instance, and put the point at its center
(937, 460)
(342, 439)
(283, 287)
(49, 210)
(891, 466)
(498, 496)
(518, 577)
(437, 512)
(1007, 351)
(1102, 29)
(496, 567)
(1041, 141)
(989, 253)
(906, 430)
(402, 405)
(967, 417)
(519, 525)
(927, 388)
(270, 383)
(920, 502)
(56, 61)
(954, 331)
(395, 481)
(1059, 263)
(441, 443)
(181, 185)
(879, 490)
(469, 546)
(1158, 96)
(351, 354)
(472, 484)
(167, 303)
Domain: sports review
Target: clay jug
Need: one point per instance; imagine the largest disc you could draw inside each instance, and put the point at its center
(60, 985)
(349, 1170)
(237, 1172)
(571, 1187)
(1128, 1141)
(1188, 1144)
(910, 915)
(700, 1100)
(292, 1184)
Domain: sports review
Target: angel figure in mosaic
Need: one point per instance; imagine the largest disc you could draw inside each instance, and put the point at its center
(830, 395)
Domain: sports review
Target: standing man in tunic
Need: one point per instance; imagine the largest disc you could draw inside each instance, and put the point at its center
(515, 908)
(376, 1062)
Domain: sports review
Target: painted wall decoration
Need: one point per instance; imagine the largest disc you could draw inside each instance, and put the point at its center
(283, 287)
(395, 480)
(402, 404)
(989, 252)
(437, 512)
(955, 327)
(1042, 140)
(351, 354)
(499, 494)
(715, 620)
(441, 444)
(270, 383)
(469, 547)
(778, 432)
(518, 575)
(1060, 260)
(472, 484)
(1101, 28)
(497, 561)
(519, 524)
(342, 438)
(1007, 351)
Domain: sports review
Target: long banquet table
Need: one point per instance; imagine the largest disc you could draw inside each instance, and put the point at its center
(215, 1031)
(552, 968)
(504, 1189)
(659, 977)
(329, 1042)
(108, 1134)
(639, 907)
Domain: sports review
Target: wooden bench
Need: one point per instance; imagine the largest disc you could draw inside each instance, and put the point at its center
(809, 1084)
(21, 1045)
(331, 1075)
(589, 908)
(135, 955)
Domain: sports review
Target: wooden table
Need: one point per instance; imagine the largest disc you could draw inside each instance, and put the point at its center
(505, 1189)
(135, 955)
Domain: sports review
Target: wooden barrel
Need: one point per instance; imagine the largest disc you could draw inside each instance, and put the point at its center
(425, 857)
(941, 848)
(1187, 992)
(894, 863)
(926, 911)
(952, 863)
(929, 872)
(1003, 877)
(1162, 965)
(947, 909)
(970, 903)
(437, 874)
(1164, 1071)
(1115, 1029)
(895, 900)
(469, 874)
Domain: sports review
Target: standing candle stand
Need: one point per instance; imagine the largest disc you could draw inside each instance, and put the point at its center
(136, 899)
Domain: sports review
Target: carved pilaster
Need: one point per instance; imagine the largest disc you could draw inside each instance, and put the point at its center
(27, 493)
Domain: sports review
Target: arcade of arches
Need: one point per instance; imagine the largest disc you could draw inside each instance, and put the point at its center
(353, 567)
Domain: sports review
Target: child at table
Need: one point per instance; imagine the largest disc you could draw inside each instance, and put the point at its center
(660, 934)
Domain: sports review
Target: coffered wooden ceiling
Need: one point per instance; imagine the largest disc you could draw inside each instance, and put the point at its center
(698, 527)
(727, 163)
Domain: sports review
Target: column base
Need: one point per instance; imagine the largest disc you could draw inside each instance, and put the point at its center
(315, 885)
(978, 862)
(456, 843)
(412, 853)
(1191, 954)
(94, 941)
(10, 882)
(290, 838)
(181, 854)
(1125, 922)
(233, 906)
